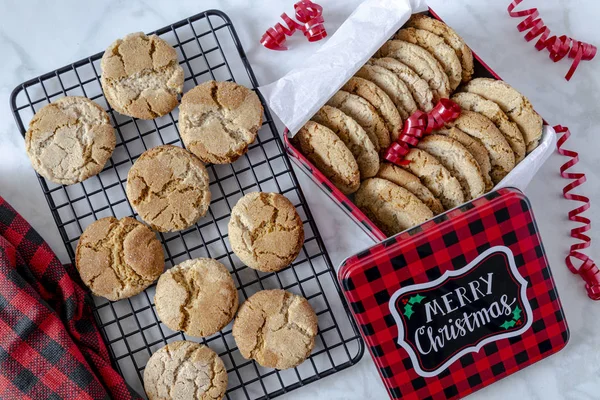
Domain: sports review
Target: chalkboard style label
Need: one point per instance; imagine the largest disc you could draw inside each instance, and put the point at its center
(461, 311)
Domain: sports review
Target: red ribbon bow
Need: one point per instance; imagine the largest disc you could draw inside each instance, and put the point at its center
(559, 47)
(311, 17)
(418, 125)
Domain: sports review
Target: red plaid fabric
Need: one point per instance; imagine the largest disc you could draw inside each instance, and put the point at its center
(50, 347)
(450, 241)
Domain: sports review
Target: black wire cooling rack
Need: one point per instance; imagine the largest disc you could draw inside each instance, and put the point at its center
(208, 48)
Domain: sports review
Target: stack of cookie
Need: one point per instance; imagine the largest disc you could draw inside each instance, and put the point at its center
(424, 62)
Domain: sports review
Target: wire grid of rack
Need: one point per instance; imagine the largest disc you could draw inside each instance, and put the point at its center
(208, 48)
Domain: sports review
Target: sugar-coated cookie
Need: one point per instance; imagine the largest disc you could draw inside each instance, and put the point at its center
(410, 182)
(491, 110)
(185, 370)
(422, 62)
(457, 159)
(392, 85)
(438, 48)
(265, 231)
(275, 328)
(514, 104)
(463, 51)
(419, 88)
(435, 177)
(197, 297)
(365, 114)
(391, 207)
(219, 120)
(168, 187)
(482, 128)
(353, 136)
(118, 258)
(477, 150)
(379, 100)
(329, 154)
(69, 140)
(141, 76)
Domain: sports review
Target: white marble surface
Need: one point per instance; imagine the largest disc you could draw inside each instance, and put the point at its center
(39, 36)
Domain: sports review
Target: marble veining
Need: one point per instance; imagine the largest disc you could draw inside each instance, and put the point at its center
(38, 36)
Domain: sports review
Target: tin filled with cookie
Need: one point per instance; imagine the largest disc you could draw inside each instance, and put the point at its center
(496, 141)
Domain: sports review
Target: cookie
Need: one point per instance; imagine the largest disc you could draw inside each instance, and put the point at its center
(502, 157)
(477, 150)
(185, 370)
(514, 104)
(354, 137)
(435, 177)
(422, 62)
(438, 48)
(392, 208)
(452, 38)
(491, 110)
(392, 85)
(418, 87)
(365, 114)
(329, 154)
(380, 101)
(69, 140)
(457, 159)
(411, 183)
(265, 231)
(169, 188)
(197, 297)
(118, 258)
(275, 328)
(219, 120)
(141, 76)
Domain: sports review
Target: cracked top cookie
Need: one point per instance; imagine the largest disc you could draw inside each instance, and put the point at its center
(169, 188)
(219, 120)
(265, 231)
(118, 258)
(197, 296)
(329, 152)
(141, 76)
(392, 207)
(69, 140)
(275, 328)
(185, 370)
(514, 104)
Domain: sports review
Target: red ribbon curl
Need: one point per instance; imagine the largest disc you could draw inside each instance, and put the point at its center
(418, 125)
(588, 269)
(311, 17)
(558, 47)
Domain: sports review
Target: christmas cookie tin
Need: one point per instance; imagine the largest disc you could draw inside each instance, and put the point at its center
(519, 176)
(459, 302)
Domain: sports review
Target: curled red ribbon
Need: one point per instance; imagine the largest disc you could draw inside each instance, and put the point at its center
(558, 47)
(418, 125)
(311, 17)
(588, 269)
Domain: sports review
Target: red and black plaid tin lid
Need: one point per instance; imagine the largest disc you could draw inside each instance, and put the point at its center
(459, 302)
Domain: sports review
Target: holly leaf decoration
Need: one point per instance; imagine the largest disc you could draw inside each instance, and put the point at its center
(408, 311)
(507, 324)
(416, 299)
(517, 313)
